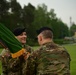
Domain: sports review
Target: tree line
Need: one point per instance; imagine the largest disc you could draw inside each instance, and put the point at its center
(13, 15)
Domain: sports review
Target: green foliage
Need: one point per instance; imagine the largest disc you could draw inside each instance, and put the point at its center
(59, 41)
(0, 68)
(28, 18)
(63, 41)
(32, 42)
(15, 14)
(68, 41)
(4, 6)
(32, 18)
(72, 29)
(60, 29)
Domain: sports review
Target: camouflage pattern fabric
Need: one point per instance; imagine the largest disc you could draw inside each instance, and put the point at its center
(49, 59)
(13, 66)
(30, 50)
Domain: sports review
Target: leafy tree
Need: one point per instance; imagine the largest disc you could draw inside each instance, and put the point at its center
(52, 14)
(15, 14)
(40, 16)
(72, 29)
(4, 7)
(63, 31)
(60, 29)
(28, 14)
(45, 18)
(28, 18)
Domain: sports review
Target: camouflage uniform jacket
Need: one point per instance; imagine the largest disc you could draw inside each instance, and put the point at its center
(49, 59)
(12, 66)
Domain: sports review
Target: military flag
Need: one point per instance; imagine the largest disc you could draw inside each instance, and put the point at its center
(7, 39)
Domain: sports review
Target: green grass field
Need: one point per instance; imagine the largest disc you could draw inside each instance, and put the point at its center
(72, 51)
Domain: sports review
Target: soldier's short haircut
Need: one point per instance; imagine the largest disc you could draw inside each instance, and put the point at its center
(47, 34)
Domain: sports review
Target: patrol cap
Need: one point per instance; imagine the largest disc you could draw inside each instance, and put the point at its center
(42, 29)
(17, 31)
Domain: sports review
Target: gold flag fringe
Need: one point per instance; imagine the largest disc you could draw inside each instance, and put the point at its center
(19, 53)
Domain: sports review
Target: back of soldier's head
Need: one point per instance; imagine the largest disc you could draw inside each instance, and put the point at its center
(46, 32)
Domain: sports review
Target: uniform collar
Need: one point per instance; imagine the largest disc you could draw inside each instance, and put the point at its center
(47, 43)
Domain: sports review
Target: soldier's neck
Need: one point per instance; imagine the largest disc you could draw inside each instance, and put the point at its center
(47, 41)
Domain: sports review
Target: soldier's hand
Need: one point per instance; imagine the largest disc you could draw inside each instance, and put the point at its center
(26, 55)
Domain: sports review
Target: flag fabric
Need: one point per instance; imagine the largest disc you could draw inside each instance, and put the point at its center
(11, 42)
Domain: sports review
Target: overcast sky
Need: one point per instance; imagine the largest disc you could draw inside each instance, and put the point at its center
(64, 9)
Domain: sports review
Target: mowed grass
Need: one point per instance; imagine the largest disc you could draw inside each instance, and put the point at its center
(72, 51)
(0, 63)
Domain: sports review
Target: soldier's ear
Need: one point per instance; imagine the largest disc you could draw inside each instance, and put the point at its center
(40, 38)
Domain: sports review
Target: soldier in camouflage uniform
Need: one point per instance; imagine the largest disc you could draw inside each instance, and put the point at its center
(50, 58)
(14, 66)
